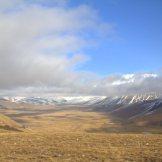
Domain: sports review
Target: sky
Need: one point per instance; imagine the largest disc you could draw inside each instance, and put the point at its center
(80, 47)
(136, 45)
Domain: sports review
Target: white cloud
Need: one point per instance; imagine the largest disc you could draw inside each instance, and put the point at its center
(129, 84)
(41, 47)
(36, 42)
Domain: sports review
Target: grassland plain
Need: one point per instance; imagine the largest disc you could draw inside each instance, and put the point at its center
(64, 135)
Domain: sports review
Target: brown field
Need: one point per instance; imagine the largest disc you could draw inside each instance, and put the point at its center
(65, 134)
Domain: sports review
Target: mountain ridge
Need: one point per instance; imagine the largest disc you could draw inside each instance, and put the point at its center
(86, 100)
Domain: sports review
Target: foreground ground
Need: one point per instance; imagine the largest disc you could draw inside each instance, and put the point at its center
(80, 147)
(64, 135)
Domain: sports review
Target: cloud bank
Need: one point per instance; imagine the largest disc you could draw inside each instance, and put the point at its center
(42, 43)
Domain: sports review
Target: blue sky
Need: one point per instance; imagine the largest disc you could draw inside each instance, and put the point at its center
(137, 42)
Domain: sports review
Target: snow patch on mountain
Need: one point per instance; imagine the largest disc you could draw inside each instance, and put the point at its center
(85, 100)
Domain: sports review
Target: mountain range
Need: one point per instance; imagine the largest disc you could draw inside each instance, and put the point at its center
(144, 109)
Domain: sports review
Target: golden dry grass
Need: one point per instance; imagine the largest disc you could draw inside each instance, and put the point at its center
(63, 136)
(80, 147)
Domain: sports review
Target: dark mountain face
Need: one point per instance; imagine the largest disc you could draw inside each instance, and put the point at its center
(144, 111)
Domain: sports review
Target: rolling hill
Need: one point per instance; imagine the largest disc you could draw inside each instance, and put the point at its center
(8, 124)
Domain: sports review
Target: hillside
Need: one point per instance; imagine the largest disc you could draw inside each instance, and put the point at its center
(7, 124)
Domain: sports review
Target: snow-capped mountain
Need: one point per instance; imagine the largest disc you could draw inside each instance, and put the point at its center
(146, 108)
(127, 100)
(81, 100)
(35, 100)
(86, 100)
(139, 109)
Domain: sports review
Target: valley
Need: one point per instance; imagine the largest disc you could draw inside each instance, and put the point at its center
(37, 132)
